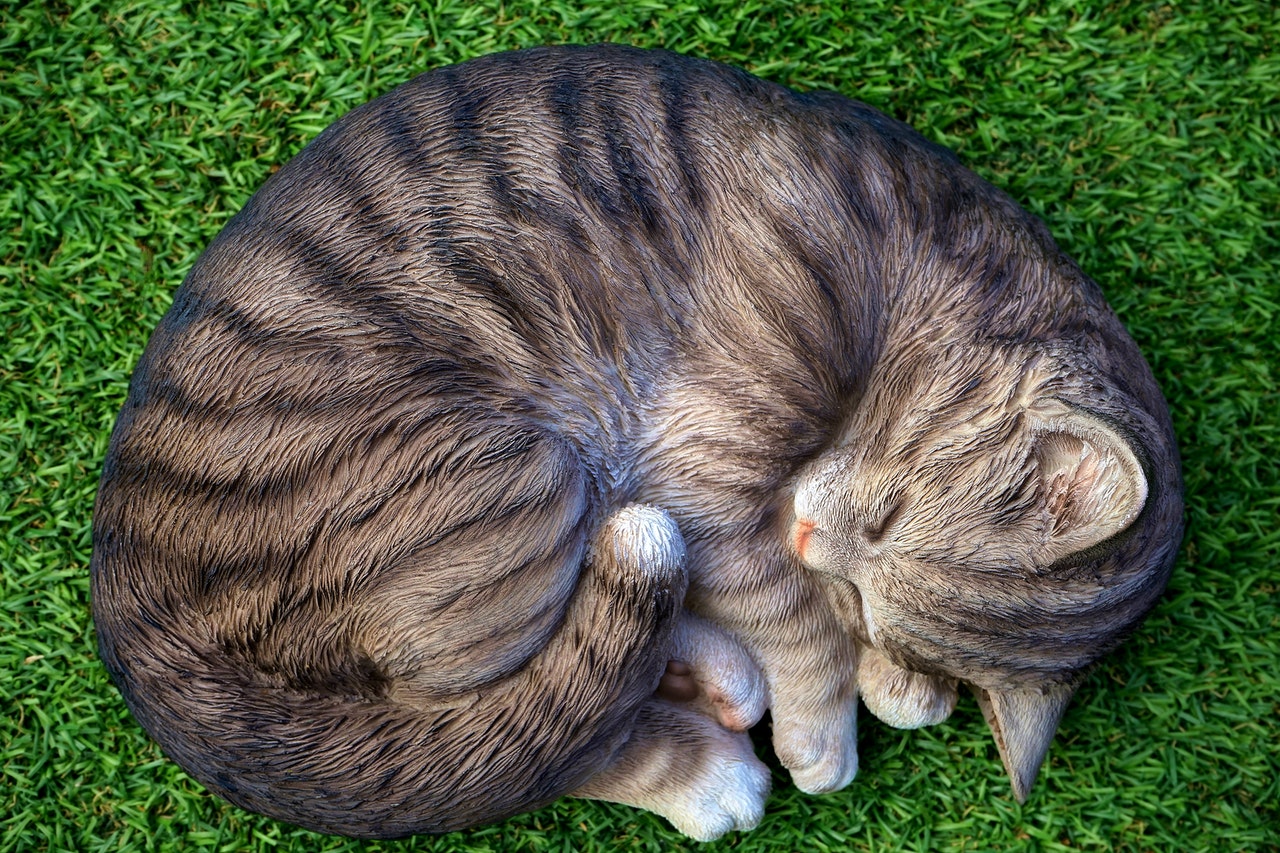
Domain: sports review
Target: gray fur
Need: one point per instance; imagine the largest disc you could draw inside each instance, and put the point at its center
(513, 369)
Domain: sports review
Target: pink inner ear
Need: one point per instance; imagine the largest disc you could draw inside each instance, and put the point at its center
(1071, 479)
(1093, 488)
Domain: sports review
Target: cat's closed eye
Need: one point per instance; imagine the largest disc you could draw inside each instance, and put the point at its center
(874, 531)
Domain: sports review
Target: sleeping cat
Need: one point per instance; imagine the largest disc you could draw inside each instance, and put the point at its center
(551, 416)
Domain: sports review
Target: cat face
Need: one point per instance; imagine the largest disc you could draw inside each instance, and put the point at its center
(974, 524)
(973, 536)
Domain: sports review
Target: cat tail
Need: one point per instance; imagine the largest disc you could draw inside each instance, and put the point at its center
(401, 760)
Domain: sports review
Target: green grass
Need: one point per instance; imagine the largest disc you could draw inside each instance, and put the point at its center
(1146, 137)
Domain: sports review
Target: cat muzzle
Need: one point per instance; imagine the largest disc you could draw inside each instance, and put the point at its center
(801, 532)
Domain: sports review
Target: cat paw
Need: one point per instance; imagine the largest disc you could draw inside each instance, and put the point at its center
(682, 765)
(728, 795)
(901, 698)
(714, 673)
(822, 756)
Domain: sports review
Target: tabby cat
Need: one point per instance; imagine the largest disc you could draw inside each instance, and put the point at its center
(551, 416)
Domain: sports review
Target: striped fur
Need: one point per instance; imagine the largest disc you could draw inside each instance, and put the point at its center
(512, 370)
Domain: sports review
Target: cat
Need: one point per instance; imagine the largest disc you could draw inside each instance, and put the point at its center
(549, 418)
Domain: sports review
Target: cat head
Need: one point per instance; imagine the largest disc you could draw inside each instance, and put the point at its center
(986, 520)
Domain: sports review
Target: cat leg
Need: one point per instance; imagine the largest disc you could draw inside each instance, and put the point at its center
(682, 765)
(677, 761)
(814, 707)
(899, 697)
(715, 674)
(807, 656)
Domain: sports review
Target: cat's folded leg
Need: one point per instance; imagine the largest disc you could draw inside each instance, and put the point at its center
(784, 618)
(899, 697)
(684, 766)
(714, 673)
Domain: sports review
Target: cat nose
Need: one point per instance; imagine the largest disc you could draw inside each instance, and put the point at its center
(800, 534)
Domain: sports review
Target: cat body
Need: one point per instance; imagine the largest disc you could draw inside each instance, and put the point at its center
(543, 370)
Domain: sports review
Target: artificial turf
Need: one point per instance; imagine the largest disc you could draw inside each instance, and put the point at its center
(1144, 134)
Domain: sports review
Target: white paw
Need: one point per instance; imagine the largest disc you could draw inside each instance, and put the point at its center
(914, 709)
(901, 698)
(728, 794)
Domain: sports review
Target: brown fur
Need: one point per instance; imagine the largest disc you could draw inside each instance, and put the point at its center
(508, 365)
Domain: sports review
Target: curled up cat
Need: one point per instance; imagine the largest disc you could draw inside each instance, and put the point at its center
(549, 418)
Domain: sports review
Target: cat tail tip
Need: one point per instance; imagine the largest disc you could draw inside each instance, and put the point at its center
(644, 540)
(1023, 721)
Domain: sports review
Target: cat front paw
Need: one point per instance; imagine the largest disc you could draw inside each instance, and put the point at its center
(901, 698)
(820, 753)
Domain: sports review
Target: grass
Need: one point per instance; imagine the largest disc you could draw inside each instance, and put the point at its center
(1145, 136)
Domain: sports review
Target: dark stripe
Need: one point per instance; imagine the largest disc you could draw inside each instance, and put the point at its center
(819, 271)
(353, 282)
(572, 105)
(475, 142)
(471, 271)
(800, 249)
(676, 108)
(352, 261)
(633, 180)
(467, 103)
(864, 210)
(473, 146)
(401, 126)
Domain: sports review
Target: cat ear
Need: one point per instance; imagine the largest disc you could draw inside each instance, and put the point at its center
(1023, 721)
(1092, 486)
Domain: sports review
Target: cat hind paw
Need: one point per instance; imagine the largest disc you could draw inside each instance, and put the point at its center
(730, 796)
(682, 765)
(715, 674)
